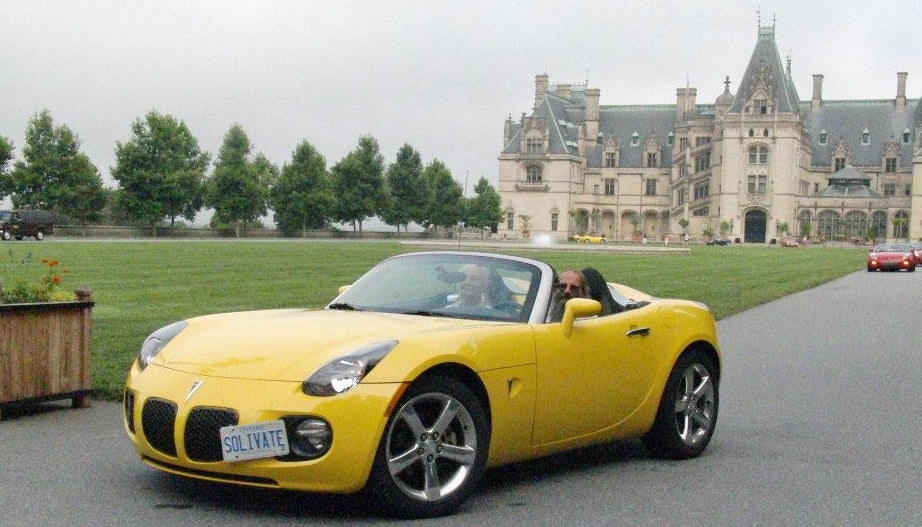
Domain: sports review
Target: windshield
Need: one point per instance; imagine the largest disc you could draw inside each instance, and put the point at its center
(892, 248)
(447, 285)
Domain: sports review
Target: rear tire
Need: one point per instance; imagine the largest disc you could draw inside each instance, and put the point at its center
(39, 236)
(433, 451)
(687, 412)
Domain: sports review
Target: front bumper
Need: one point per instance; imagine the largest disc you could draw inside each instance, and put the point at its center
(176, 429)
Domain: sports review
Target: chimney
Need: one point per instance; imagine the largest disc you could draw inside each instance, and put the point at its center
(680, 94)
(592, 113)
(540, 89)
(563, 90)
(685, 102)
(901, 89)
(817, 92)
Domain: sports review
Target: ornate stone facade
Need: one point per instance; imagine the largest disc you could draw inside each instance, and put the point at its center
(755, 166)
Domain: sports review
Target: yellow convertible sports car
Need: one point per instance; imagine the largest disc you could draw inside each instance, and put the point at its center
(589, 238)
(429, 369)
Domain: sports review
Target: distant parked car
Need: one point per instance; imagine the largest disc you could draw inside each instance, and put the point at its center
(790, 242)
(892, 257)
(719, 241)
(590, 238)
(20, 224)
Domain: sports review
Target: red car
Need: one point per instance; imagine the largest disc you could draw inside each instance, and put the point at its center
(892, 257)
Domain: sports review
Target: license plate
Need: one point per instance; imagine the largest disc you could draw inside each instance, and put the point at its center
(254, 441)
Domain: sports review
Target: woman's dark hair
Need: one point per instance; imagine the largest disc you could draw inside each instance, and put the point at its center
(598, 291)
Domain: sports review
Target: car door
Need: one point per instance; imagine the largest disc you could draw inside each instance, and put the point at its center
(597, 376)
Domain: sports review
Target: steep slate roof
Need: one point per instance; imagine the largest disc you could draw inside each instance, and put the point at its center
(765, 63)
(564, 118)
(848, 119)
(621, 122)
(841, 120)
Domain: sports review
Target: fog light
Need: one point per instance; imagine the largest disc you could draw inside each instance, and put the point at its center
(312, 438)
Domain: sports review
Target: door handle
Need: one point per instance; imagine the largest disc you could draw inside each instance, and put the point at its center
(638, 332)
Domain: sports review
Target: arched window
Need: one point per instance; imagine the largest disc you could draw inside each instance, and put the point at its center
(878, 227)
(901, 225)
(827, 224)
(805, 226)
(856, 225)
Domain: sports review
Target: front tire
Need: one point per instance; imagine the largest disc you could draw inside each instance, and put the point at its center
(433, 451)
(39, 236)
(687, 413)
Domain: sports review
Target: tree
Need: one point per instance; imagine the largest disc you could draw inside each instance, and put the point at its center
(236, 190)
(684, 224)
(160, 171)
(6, 154)
(54, 174)
(302, 197)
(446, 206)
(358, 183)
(483, 210)
(407, 194)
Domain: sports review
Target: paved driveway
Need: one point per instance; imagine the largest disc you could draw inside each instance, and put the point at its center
(820, 424)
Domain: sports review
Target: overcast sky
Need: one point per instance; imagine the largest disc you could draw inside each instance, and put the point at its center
(441, 76)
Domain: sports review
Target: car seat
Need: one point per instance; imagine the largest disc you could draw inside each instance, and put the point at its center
(598, 291)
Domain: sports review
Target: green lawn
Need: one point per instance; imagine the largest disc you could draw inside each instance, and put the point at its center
(142, 285)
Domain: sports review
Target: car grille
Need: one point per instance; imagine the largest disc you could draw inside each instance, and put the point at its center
(158, 422)
(202, 437)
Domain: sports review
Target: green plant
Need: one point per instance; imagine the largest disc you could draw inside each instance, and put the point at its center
(47, 288)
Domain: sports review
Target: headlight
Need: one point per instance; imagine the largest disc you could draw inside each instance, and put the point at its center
(157, 340)
(341, 374)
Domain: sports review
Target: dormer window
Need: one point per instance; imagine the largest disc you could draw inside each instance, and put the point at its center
(759, 106)
(890, 164)
(906, 136)
(670, 139)
(635, 139)
(824, 137)
(534, 146)
(611, 159)
(866, 137)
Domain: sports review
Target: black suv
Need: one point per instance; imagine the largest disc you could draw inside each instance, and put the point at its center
(22, 223)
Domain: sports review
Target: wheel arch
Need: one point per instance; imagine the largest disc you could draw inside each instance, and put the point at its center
(709, 351)
(466, 376)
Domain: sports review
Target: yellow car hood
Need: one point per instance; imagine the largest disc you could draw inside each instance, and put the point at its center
(286, 345)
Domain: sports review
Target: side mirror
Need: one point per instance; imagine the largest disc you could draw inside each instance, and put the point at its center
(578, 308)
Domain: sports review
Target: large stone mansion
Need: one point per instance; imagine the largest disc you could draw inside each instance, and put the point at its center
(755, 166)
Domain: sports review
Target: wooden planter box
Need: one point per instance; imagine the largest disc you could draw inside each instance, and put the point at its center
(45, 351)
